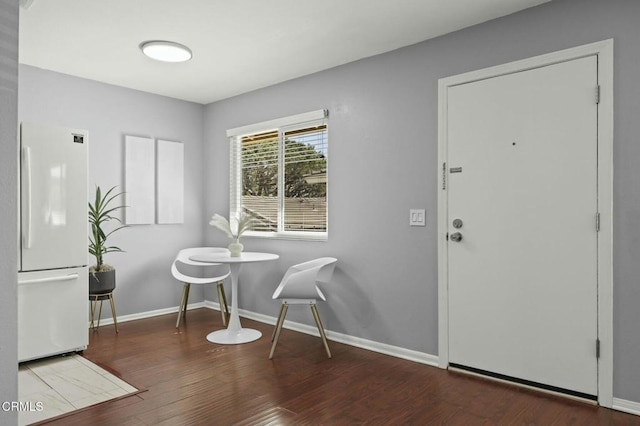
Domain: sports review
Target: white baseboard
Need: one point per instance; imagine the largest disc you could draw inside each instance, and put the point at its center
(398, 352)
(150, 314)
(630, 407)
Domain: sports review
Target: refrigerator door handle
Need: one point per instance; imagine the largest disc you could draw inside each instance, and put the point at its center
(69, 277)
(27, 226)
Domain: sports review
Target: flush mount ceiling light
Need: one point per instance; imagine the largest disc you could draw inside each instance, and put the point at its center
(166, 51)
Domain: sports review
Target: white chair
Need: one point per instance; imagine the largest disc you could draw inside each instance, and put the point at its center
(219, 274)
(299, 287)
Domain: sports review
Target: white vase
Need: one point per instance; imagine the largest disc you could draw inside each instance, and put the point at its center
(235, 248)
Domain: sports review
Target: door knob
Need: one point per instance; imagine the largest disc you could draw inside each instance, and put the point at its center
(456, 237)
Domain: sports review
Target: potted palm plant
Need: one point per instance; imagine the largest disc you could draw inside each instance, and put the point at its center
(102, 277)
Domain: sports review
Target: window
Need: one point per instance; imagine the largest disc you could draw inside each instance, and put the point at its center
(279, 174)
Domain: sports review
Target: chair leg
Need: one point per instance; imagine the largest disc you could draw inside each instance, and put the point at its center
(316, 316)
(186, 302)
(113, 311)
(276, 331)
(182, 307)
(222, 299)
(273, 334)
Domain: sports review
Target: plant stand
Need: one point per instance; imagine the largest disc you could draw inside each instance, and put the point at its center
(95, 298)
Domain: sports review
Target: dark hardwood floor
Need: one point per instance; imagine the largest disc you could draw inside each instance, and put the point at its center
(189, 381)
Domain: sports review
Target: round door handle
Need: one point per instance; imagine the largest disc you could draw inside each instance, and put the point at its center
(456, 237)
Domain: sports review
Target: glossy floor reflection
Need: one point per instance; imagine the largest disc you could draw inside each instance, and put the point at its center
(58, 385)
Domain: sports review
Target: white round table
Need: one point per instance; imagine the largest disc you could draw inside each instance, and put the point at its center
(234, 333)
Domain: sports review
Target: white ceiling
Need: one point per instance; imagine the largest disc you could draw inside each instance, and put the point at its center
(238, 45)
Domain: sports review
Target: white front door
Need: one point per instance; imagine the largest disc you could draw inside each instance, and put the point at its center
(522, 178)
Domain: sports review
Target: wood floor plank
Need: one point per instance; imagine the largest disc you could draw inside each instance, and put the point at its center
(189, 381)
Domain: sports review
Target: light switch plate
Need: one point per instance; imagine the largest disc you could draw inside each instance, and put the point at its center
(417, 217)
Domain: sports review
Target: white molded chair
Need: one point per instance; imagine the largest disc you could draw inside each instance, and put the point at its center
(220, 273)
(299, 287)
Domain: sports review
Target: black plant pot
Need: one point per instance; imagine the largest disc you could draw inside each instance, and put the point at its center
(102, 282)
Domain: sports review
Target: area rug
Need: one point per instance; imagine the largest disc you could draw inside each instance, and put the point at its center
(56, 386)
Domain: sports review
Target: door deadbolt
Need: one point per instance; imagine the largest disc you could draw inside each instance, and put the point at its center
(457, 223)
(456, 237)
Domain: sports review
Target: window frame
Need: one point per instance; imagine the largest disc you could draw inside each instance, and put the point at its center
(281, 125)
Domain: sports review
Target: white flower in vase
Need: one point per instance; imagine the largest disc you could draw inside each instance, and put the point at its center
(243, 223)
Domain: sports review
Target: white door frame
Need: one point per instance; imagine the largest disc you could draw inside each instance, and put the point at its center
(604, 51)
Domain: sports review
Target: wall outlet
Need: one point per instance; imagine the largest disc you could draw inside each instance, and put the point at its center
(417, 217)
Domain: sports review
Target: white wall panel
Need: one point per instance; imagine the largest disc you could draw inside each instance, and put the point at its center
(139, 184)
(170, 174)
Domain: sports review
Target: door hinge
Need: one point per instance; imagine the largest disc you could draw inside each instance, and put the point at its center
(597, 348)
(597, 222)
(597, 94)
(444, 176)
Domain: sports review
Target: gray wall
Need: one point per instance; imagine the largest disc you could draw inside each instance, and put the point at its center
(383, 154)
(8, 207)
(144, 281)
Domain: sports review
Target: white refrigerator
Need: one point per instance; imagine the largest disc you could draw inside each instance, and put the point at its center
(52, 274)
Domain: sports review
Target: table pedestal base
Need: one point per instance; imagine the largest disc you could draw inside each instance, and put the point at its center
(232, 337)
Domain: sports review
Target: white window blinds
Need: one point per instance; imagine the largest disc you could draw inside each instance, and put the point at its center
(280, 176)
